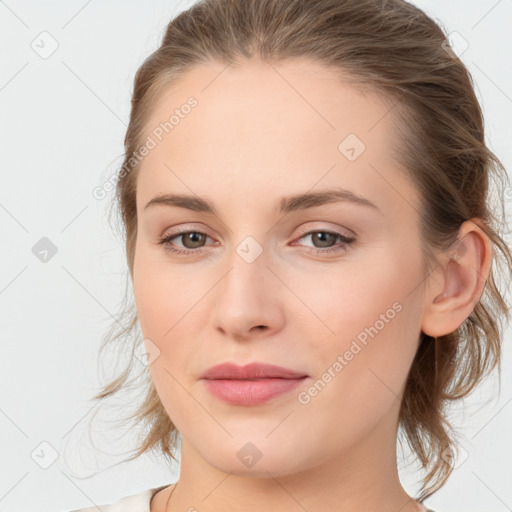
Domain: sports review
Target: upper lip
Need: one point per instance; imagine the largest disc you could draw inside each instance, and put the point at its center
(250, 371)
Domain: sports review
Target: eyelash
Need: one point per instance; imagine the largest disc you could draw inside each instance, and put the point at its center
(345, 242)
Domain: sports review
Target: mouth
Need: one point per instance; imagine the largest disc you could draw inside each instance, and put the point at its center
(250, 371)
(253, 384)
(251, 391)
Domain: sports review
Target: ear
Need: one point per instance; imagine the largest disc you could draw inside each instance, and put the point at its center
(463, 273)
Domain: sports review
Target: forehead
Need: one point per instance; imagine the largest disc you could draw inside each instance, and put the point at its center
(277, 101)
(289, 125)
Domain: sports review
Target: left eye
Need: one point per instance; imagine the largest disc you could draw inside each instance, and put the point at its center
(326, 237)
(196, 238)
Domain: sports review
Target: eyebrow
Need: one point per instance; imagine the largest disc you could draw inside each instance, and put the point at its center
(286, 204)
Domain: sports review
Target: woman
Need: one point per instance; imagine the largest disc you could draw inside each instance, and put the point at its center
(309, 236)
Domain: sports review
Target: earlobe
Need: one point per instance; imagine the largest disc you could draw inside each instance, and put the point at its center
(464, 271)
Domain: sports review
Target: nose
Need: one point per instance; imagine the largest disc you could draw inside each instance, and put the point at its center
(248, 301)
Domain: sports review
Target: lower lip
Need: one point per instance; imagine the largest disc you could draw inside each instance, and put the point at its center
(250, 392)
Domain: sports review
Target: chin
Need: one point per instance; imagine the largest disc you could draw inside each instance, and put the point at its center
(257, 457)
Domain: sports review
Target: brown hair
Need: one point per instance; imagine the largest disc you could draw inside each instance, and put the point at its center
(396, 50)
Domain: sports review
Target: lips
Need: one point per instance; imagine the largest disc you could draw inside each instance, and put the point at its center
(250, 371)
(253, 384)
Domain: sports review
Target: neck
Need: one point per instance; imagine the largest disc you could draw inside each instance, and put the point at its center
(362, 477)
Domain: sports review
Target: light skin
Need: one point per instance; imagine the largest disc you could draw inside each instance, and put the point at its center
(258, 133)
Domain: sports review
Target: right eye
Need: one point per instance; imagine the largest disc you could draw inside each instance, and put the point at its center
(197, 238)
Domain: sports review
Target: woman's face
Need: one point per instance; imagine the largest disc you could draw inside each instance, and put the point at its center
(270, 279)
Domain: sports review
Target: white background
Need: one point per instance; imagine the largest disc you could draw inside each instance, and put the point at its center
(62, 123)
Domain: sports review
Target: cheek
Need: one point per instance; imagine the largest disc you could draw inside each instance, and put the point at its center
(370, 323)
(375, 288)
(346, 300)
(163, 293)
(162, 303)
(169, 301)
